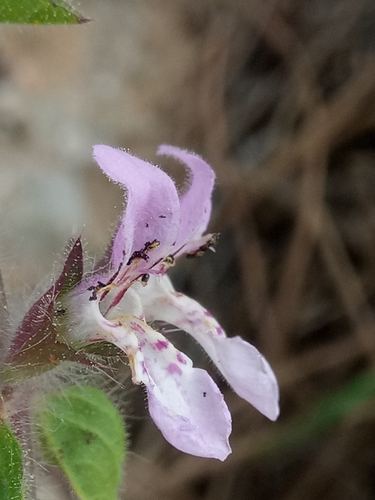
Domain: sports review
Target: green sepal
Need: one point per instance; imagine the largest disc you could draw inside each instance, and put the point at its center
(102, 350)
(37, 346)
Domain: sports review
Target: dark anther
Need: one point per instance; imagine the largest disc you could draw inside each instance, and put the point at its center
(144, 279)
(94, 290)
(142, 254)
(151, 245)
(204, 394)
(93, 296)
(162, 216)
(202, 249)
(169, 260)
(138, 254)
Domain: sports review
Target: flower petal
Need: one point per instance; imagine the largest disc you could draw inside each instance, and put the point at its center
(184, 402)
(196, 201)
(152, 210)
(245, 369)
(248, 372)
(202, 423)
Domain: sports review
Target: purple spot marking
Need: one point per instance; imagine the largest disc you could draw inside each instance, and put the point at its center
(181, 359)
(219, 330)
(208, 314)
(161, 344)
(193, 312)
(178, 294)
(137, 328)
(174, 369)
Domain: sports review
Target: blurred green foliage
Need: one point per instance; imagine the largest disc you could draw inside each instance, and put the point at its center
(328, 413)
(39, 12)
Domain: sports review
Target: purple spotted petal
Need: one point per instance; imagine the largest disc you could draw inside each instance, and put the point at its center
(196, 201)
(245, 369)
(183, 401)
(194, 417)
(152, 209)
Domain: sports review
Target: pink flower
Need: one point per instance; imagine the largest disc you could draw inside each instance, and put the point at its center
(158, 226)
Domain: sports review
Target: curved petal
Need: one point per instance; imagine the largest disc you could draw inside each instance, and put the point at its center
(90, 315)
(245, 369)
(184, 402)
(93, 327)
(198, 422)
(196, 201)
(152, 210)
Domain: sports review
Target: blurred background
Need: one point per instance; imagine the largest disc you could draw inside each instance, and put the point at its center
(279, 97)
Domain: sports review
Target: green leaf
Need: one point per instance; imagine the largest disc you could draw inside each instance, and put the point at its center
(83, 433)
(39, 12)
(10, 465)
